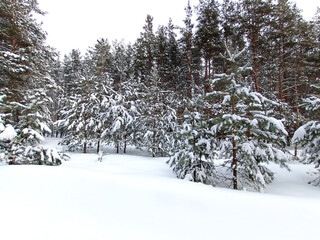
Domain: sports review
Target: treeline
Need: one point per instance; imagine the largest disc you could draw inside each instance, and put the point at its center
(223, 94)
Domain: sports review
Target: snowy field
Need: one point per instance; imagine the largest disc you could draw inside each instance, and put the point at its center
(138, 197)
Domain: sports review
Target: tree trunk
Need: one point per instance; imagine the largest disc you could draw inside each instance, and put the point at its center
(298, 114)
(207, 87)
(189, 50)
(118, 147)
(280, 94)
(249, 137)
(85, 147)
(194, 137)
(98, 146)
(12, 80)
(154, 139)
(234, 164)
(255, 61)
(209, 70)
(206, 69)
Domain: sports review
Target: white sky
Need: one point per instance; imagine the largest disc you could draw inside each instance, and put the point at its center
(79, 23)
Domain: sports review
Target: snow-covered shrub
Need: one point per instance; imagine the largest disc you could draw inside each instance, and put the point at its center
(308, 136)
(25, 149)
(7, 134)
(20, 144)
(37, 155)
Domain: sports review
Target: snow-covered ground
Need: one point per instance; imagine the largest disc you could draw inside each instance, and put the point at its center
(138, 197)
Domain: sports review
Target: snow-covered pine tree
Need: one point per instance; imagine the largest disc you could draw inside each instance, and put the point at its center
(157, 119)
(308, 135)
(144, 57)
(254, 20)
(247, 135)
(72, 72)
(98, 63)
(187, 82)
(7, 132)
(55, 91)
(77, 118)
(232, 33)
(21, 145)
(83, 80)
(114, 92)
(208, 37)
(119, 114)
(173, 54)
(194, 150)
(24, 61)
(71, 76)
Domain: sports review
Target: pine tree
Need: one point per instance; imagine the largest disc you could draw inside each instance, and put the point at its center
(77, 117)
(194, 150)
(187, 48)
(99, 64)
(55, 92)
(72, 71)
(144, 61)
(173, 54)
(119, 113)
(161, 45)
(156, 119)
(232, 32)
(308, 134)
(209, 37)
(248, 135)
(7, 132)
(20, 35)
(255, 19)
(120, 109)
(24, 67)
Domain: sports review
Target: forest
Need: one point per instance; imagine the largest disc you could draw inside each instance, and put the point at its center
(221, 96)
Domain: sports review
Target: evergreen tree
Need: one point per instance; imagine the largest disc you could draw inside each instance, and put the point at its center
(173, 54)
(232, 32)
(78, 118)
(72, 70)
(194, 150)
(145, 52)
(119, 114)
(187, 48)
(121, 65)
(21, 39)
(161, 45)
(248, 135)
(209, 37)
(156, 119)
(308, 135)
(7, 132)
(24, 67)
(99, 65)
(255, 19)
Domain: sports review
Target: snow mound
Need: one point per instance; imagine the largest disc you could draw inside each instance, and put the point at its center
(8, 133)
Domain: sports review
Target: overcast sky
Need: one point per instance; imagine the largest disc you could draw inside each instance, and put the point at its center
(79, 23)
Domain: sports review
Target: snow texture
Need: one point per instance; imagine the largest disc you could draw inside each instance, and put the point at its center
(8, 133)
(137, 197)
